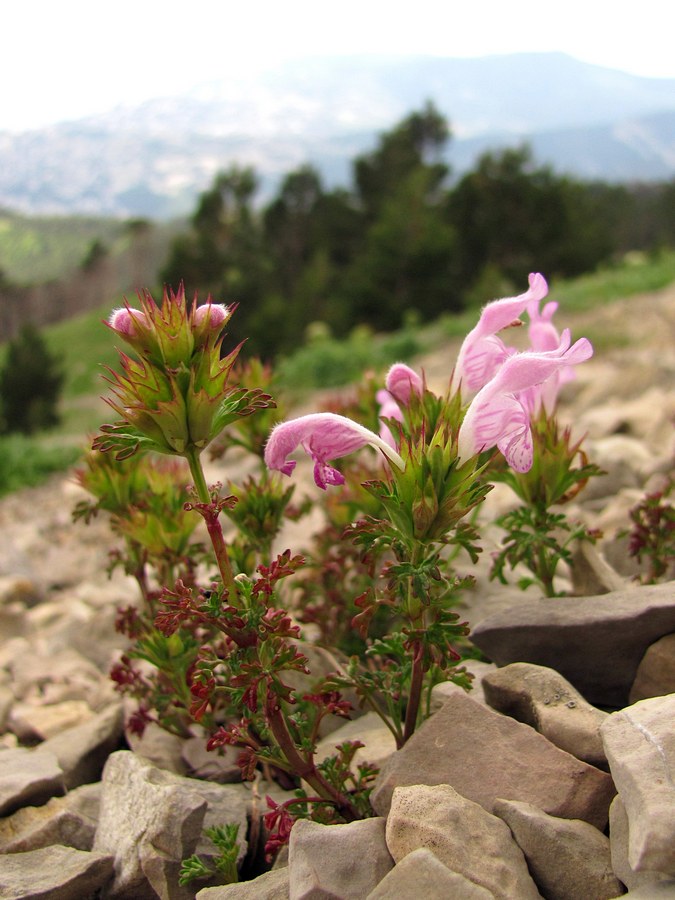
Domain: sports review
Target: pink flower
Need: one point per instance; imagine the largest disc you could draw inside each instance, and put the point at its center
(324, 436)
(544, 336)
(401, 381)
(499, 414)
(482, 352)
(123, 321)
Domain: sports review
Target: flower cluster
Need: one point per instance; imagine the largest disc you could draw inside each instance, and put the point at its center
(508, 388)
(173, 396)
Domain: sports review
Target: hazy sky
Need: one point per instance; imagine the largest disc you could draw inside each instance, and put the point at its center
(62, 59)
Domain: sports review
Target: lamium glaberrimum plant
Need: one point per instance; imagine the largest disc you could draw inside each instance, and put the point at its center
(228, 644)
(547, 468)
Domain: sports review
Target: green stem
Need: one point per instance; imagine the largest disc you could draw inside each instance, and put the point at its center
(415, 695)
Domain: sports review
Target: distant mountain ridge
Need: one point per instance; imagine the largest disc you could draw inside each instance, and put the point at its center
(152, 159)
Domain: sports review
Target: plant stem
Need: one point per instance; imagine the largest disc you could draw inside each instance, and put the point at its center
(306, 769)
(210, 514)
(416, 682)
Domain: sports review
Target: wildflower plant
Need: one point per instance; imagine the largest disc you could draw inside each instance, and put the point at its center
(219, 644)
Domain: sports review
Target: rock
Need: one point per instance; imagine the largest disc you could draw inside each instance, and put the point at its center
(663, 891)
(149, 825)
(591, 573)
(371, 731)
(542, 698)
(640, 746)
(618, 843)
(596, 643)
(475, 667)
(28, 778)
(151, 820)
(656, 673)
(54, 677)
(54, 873)
(32, 722)
(568, 859)
(341, 861)
(485, 756)
(19, 589)
(462, 835)
(82, 751)
(57, 822)
(270, 886)
(220, 766)
(420, 874)
(160, 747)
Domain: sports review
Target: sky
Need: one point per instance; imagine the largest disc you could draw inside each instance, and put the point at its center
(65, 59)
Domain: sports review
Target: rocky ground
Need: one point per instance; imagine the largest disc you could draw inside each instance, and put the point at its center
(554, 777)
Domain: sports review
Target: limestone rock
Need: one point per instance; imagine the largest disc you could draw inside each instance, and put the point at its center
(54, 873)
(640, 746)
(59, 821)
(28, 778)
(420, 874)
(270, 886)
(596, 643)
(337, 861)
(568, 859)
(37, 722)
(542, 698)
(591, 573)
(148, 824)
(82, 751)
(151, 820)
(462, 835)
(485, 756)
(618, 843)
(379, 742)
(656, 673)
(475, 667)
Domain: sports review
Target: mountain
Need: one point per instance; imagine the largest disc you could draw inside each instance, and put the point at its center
(152, 159)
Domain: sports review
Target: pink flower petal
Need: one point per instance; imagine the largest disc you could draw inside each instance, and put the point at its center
(324, 436)
(482, 352)
(401, 381)
(499, 414)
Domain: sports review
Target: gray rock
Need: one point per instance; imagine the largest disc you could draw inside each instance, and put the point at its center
(568, 859)
(591, 573)
(485, 756)
(542, 698)
(149, 825)
(640, 746)
(82, 751)
(421, 874)
(462, 835)
(379, 743)
(28, 778)
(596, 643)
(475, 667)
(151, 820)
(54, 873)
(270, 886)
(33, 722)
(345, 862)
(618, 843)
(160, 747)
(663, 891)
(655, 676)
(59, 821)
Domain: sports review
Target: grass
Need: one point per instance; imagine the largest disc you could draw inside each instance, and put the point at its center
(26, 461)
